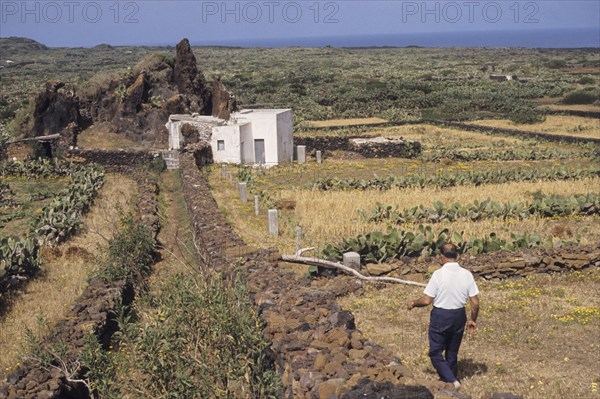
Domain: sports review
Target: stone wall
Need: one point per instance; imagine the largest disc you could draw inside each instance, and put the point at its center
(316, 347)
(19, 150)
(125, 162)
(519, 133)
(408, 149)
(92, 312)
(499, 265)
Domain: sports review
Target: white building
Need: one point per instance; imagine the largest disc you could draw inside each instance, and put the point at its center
(250, 137)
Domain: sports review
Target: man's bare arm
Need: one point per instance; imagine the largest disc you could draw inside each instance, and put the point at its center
(474, 307)
(425, 300)
(472, 323)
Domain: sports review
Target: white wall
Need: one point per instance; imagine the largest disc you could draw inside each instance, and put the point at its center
(264, 126)
(247, 149)
(174, 133)
(285, 133)
(231, 136)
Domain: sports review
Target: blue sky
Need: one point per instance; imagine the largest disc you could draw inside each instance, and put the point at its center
(71, 23)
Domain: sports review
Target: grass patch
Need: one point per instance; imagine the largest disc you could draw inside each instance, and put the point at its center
(576, 107)
(555, 124)
(96, 137)
(345, 122)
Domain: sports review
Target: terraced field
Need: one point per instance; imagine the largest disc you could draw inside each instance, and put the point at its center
(351, 203)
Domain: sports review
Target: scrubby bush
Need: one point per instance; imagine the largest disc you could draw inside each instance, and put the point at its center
(527, 116)
(581, 97)
(587, 80)
(130, 253)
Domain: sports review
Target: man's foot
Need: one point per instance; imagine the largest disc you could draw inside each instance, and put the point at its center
(452, 386)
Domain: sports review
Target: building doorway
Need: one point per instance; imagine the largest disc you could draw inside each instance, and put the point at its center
(259, 151)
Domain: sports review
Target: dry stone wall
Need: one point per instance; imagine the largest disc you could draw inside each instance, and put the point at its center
(125, 162)
(519, 133)
(500, 265)
(315, 345)
(405, 149)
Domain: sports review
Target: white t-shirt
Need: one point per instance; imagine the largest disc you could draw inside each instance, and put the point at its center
(451, 286)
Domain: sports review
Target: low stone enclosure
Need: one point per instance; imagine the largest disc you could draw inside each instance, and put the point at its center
(316, 347)
(367, 146)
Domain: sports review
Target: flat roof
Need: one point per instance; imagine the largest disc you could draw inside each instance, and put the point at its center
(194, 118)
(262, 111)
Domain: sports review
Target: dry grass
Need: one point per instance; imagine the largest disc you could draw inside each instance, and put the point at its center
(251, 228)
(431, 136)
(345, 122)
(329, 216)
(575, 107)
(65, 270)
(537, 337)
(176, 243)
(554, 124)
(100, 138)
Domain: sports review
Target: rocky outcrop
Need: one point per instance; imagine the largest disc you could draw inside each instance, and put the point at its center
(54, 109)
(187, 77)
(139, 104)
(223, 102)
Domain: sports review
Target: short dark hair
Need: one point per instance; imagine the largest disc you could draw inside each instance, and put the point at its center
(449, 250)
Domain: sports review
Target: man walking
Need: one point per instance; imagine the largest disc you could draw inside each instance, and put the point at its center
(448, 291)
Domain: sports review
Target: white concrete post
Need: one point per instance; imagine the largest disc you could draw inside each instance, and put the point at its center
(256, 205)
(243, 192)
(351, 259)
(319, 157)
(273, 222)
(301, 153)
(223, 171)
(298, 238)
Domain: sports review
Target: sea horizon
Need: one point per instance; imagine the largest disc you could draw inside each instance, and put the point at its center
(542, 38)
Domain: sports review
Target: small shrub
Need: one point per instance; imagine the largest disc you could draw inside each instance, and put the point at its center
(580, 97)
(158, 164)
(130, 253)
(120, 93)
(527, 117)
(587, 80)
(556, 64)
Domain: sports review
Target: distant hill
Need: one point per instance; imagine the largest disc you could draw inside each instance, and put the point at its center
(11, 46)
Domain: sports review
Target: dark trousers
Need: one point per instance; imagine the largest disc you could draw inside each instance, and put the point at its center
(446, 328)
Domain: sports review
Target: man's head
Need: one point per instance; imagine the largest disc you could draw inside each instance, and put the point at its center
(449, 251)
